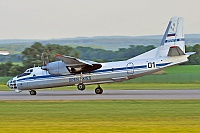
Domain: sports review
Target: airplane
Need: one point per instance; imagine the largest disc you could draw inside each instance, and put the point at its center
(71, 71)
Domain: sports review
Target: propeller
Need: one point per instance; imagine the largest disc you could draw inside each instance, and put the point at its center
(45, 60)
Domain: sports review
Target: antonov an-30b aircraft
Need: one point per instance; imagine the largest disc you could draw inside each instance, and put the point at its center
(72, 71)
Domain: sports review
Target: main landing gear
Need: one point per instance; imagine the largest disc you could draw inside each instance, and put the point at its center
(98, 90)
(81, 86)
(33, 92)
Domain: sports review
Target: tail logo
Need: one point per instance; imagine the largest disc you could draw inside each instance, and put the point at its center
(172, 30)
(173, 27)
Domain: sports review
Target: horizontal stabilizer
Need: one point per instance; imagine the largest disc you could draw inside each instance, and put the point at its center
(189, 53)
(175, 51)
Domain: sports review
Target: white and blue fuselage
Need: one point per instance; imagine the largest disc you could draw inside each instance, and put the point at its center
(36, 78)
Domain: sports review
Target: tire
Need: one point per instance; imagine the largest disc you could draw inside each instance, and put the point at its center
(33, 92)
(98, 90)
(81, 86)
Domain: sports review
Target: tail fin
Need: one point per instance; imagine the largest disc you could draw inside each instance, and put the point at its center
(173, 42)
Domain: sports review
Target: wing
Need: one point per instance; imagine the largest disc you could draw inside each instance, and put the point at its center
(77, 65)
(72, 61)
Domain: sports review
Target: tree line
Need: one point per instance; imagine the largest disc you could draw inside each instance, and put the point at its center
(39, 54)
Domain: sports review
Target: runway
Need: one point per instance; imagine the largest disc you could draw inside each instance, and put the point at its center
(107, 95)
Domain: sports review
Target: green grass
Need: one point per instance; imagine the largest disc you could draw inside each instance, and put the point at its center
(100, 116)
(181, 69)
(4, 80)
(176, 74)
(18, 63)
(15, 63)
(168, 78)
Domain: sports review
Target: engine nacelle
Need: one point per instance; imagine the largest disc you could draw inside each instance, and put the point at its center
(56, 68)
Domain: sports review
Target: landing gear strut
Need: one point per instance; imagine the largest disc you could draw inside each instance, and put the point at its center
(99, 90)
(33, 92)
(81, 86)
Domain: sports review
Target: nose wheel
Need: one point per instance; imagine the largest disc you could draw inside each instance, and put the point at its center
(99, 90)
(33, 92)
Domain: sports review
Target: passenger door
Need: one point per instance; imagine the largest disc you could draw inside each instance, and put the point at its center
(130, 68)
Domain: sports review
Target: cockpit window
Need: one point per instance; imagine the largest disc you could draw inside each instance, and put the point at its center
(23, 74)
(27, 72)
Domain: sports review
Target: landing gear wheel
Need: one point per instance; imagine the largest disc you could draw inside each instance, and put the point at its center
(81, 86)
(99, 90)
(33, 92)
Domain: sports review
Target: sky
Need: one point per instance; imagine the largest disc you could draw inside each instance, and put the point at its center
(48, 19)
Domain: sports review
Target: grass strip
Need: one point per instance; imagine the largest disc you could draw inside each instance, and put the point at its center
(100, 116)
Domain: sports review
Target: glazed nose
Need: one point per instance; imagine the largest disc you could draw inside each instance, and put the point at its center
(12, 84)
(8, 83)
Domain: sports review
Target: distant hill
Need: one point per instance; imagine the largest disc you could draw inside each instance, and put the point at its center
(104, 42)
